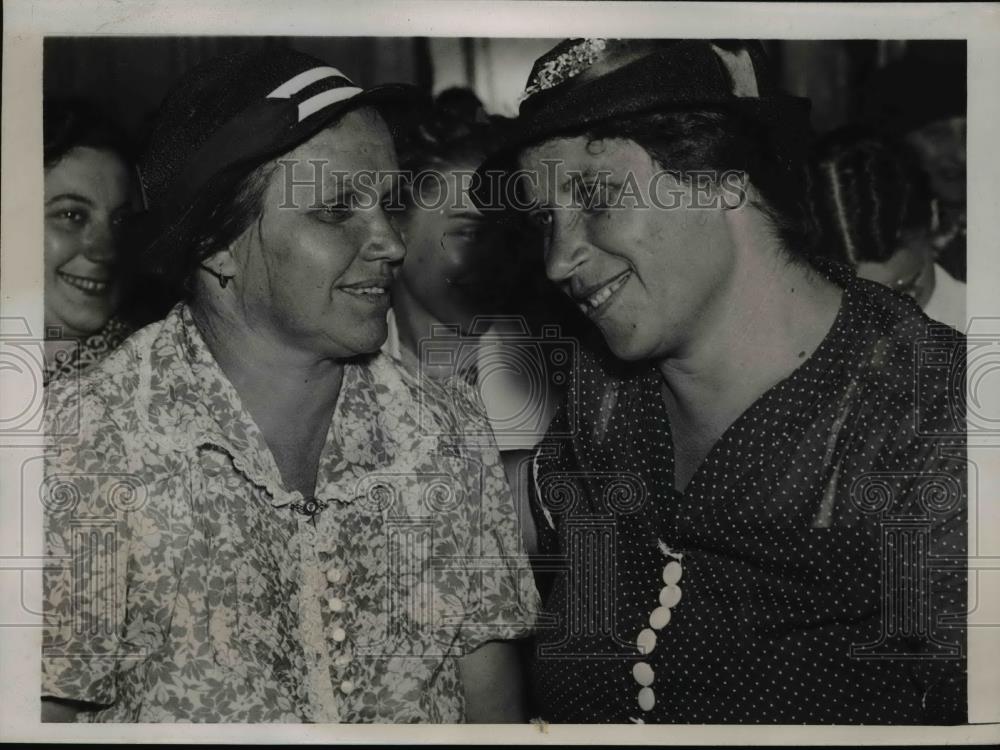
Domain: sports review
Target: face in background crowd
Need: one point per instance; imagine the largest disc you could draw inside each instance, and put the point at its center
(455, 265)
(315, 275)
(940, 146)
(89, 193)
(459, 263)
(909, 270)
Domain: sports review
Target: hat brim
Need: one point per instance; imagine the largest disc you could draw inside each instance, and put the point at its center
(492, 189)
(179, 217)
(676, 76)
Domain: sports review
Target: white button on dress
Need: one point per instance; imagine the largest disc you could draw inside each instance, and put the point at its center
(643, 674)
(670, 595)
(347, 687)
(336, 604)
(672, 572)
(646, 641)
(333, 575)
(647, 699)
(659, 618)
(339, 634)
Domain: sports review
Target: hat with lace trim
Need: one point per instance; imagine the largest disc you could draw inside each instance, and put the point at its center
(581, 83)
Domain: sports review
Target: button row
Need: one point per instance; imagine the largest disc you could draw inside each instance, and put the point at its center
(659, 618)
(337, 605)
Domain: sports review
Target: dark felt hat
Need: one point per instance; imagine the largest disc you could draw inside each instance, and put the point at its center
(231, 114)
(582, 83)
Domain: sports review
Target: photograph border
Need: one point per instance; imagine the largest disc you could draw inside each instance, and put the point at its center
(27, 22)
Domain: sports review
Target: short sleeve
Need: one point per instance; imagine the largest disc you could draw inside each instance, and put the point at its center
(86, 493)
(915, 492)
(941, 494)
(500, 601)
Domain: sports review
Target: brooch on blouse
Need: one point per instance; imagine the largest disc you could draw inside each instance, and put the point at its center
(310, 507)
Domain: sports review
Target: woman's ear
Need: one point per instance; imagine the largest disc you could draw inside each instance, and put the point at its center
(220, 264)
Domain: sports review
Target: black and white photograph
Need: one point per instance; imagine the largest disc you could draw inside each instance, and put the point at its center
(628, 373)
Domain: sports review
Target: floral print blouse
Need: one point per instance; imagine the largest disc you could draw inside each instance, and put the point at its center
(187, 585)
(89, 351)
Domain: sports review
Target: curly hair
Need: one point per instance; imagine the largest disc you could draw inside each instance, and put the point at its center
(75, 123)
(715, 142)
(454, 131)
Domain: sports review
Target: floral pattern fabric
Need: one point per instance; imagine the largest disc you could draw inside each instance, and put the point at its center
(186, 587)
(90, 351)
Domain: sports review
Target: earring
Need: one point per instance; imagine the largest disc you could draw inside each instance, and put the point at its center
(220, 277)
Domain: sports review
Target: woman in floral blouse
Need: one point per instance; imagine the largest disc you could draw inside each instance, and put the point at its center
(253, 518)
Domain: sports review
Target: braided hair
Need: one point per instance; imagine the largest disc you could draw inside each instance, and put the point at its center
(867, 193)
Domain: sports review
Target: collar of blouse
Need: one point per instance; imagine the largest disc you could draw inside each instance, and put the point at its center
(186, 398)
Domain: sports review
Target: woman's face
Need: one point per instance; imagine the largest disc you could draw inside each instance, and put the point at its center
(940, 145)
(649, 269)
(454, 256)
(910, 270)
(314, 272)
(87, 195)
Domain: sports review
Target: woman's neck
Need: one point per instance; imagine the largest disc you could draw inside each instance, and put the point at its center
(253, 361)
(290, 395)
(770, 321)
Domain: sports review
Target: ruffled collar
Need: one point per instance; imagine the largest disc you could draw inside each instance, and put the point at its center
(189, 400)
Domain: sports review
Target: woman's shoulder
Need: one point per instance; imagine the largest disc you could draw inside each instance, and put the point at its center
(903, 393)
(446, 404)
(107, 390)
(894, 335)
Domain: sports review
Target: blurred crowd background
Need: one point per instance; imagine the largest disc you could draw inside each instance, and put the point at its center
(888, 161)
(898, 84)
(132, 74)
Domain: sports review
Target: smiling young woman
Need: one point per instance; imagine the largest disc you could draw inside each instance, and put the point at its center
(90, 192)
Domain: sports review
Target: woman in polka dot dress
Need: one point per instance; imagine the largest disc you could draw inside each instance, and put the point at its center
(760, 515)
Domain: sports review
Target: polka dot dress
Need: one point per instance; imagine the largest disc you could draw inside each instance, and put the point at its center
(803, 576)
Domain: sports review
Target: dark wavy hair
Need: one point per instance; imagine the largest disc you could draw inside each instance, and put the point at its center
(714, 142)
(867, 192)
(454, 130)
(75, 123)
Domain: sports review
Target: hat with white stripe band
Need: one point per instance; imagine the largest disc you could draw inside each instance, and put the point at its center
(229, 115)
